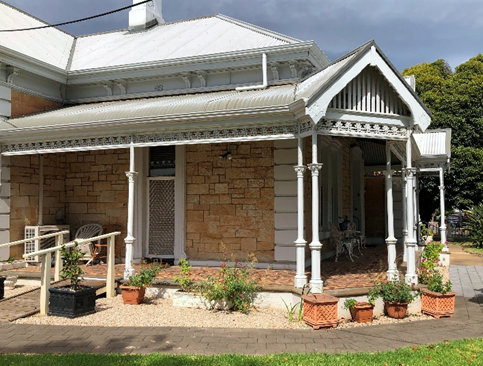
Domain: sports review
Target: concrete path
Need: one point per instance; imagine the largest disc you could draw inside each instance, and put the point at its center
(461, 258)
(20, 338)
(467, 281)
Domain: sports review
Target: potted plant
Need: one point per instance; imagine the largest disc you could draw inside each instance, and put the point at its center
(396, 296)
(74, 299)
(438, 300)
(361, 312)
(134, 288)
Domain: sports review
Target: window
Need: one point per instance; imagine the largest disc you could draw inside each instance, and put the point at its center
(162, 161)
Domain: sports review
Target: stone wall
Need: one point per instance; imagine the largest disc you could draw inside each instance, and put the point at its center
(23, 104)
(96, 190)
(230, 203)
(79, 188)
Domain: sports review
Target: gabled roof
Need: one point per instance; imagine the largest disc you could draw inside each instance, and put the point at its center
(50, 45)
(193, 37)
(319, 89)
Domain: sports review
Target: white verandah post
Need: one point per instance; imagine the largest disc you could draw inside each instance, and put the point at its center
(392, 272)
(300, 279)
(404, 214)
(316, 284)
(411, 277)
(442, 227)
(130, 239)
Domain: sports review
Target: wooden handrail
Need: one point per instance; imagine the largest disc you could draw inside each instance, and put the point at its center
(23, 241)
(45, 265)
(71, 244)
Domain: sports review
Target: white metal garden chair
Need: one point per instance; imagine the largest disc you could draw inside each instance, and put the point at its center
(342, 244)
(86, 232)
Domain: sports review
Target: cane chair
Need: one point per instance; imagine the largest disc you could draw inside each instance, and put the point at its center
(86, 232)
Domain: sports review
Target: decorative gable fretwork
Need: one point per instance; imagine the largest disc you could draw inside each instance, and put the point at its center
(370, 92)
(364, 130)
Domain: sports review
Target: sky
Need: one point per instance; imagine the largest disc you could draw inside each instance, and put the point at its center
(408, 31)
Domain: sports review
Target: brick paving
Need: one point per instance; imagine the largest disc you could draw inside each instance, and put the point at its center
(343, 274)
(22, 338)
(28, 303)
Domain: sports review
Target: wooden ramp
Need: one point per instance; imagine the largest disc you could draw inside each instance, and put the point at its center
(28, 303)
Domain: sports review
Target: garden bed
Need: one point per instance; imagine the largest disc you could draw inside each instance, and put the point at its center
(160, 312)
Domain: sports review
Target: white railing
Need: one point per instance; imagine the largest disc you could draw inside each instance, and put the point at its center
(45, 256)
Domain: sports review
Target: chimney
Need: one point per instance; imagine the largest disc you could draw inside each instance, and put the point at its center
(411, 80)
(146, 15)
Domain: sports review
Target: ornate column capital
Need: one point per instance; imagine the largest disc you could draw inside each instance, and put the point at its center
(410, 171)
(388, 173)
(315, 168)
(300, 169)
(131, 176)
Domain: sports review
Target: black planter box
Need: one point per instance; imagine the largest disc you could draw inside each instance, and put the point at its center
(71, 304)
(2, 288)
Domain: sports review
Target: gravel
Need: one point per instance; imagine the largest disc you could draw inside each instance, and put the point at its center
(18, 290)
(160, 312)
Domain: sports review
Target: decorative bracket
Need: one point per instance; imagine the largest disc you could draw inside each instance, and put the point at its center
(202, 78)
(187, 80)
(11, 73)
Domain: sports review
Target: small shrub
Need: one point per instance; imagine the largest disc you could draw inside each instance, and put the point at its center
(11, 259)
(435, 284)
(233, 285)
(475, 225)
(429, 261)
(350, 303)
(71, 269)
(184, 281)
(425, 231)
(291, 310)
(392, 291)
(145, 276)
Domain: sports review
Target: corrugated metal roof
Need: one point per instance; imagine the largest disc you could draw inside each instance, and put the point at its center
(312, 84)
(195, 37)
(433, 143)
(157, 107)
(49, 45)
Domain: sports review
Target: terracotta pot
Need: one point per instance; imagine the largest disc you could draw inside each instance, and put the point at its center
(132, 295)
(320, 311)
(362, 313)
(396, 310)
(437, 304)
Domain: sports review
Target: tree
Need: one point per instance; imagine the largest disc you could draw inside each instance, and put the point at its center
(456, 101)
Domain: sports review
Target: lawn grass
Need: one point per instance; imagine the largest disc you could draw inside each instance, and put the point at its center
(461, 352)
(468, 247)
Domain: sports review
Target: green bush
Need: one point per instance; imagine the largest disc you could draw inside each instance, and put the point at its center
(184, 281)
(429, 261)
(350, 303)
(233, 285)
(145, 276)
(475, 225)
(71, 270)
(435, 284)
(392, 291)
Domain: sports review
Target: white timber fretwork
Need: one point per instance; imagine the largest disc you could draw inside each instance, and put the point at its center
(370, 92)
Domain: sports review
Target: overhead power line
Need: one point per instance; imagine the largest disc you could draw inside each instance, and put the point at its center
(74, 21)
